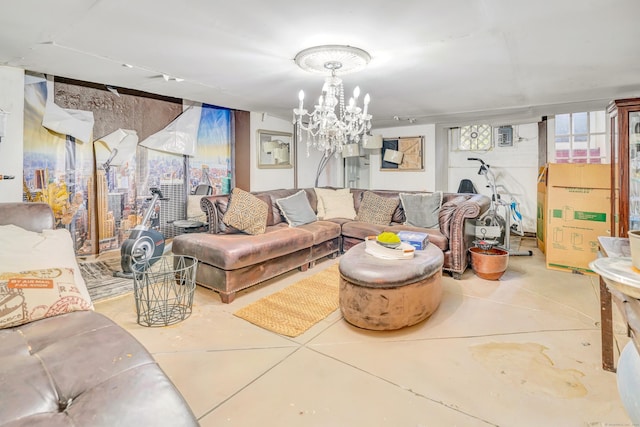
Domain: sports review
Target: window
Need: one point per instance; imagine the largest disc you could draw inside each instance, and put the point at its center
(581, 138)
(473, 137)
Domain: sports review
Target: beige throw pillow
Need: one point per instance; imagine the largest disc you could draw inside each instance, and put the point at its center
(246, 212)
(338, 205)
(328, 192)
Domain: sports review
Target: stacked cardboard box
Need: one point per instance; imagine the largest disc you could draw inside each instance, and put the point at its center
(576, 210)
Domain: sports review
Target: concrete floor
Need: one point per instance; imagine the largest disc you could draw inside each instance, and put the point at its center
(521, 351)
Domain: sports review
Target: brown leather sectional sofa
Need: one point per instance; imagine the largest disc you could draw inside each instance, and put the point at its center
(231, 261)
(79, 368)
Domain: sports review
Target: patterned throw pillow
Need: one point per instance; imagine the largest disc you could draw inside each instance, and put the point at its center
(376, 209)
(31, 295)
(246, 212)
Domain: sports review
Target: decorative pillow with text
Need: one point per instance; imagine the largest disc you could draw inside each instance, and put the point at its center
(26, 296)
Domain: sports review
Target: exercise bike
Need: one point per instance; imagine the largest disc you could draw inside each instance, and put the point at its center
(509, 212)
(144, 245)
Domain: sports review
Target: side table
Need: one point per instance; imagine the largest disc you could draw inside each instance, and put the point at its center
(612, 247)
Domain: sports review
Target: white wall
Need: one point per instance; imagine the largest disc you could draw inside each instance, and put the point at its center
(305, 165)
(411, 180)
(514, 167)
(268, 179)
(11, 146)
(308, 166)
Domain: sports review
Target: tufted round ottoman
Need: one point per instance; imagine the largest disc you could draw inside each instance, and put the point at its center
(383, 294)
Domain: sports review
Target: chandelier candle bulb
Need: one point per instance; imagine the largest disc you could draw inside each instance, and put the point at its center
(301, 98)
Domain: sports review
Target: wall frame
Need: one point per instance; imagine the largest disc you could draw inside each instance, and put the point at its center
(275, 149)
(402, 154)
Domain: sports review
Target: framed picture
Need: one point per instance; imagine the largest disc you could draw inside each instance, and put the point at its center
(402, 154)
(275, 149)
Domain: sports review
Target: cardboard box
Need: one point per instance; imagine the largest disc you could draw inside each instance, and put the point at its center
(578, 206)
(415, 239)
(541, 207)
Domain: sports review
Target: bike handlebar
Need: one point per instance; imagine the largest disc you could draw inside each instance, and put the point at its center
(475, 158)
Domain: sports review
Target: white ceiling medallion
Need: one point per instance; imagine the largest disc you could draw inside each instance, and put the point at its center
(332, 58)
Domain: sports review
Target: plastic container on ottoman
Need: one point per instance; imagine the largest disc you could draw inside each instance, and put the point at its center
(416, 239)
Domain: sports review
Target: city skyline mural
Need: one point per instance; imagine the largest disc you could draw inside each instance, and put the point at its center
(101, 203)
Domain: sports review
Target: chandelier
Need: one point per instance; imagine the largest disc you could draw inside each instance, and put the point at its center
(333, 124)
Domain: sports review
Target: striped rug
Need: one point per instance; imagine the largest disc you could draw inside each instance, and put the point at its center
(298, 307)
(101, 284)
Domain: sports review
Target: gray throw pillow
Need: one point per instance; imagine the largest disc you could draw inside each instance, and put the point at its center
(421, 210)
(296, 209)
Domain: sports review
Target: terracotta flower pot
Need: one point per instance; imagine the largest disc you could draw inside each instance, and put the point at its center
(489, 264)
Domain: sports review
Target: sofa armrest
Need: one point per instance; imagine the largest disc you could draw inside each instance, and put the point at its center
(473, 207)
(30, 216)
(208, 205)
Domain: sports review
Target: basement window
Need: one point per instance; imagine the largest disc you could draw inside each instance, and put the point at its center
(473, 137)
(581, 138)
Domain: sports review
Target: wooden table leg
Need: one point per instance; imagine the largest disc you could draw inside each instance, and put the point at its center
(606, 328)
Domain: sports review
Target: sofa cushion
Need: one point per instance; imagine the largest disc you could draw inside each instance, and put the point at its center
(322, 230)
(246, 212)
(234, 251)
(336, 204)
(421, 209)
(81, 369)
(376, 209)
(296, 209)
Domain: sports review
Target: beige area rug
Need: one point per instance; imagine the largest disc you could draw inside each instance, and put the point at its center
(298, 307)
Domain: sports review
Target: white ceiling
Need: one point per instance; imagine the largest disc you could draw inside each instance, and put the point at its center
(432, 60)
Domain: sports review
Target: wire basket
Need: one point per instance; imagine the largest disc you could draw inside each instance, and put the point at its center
(164, 289)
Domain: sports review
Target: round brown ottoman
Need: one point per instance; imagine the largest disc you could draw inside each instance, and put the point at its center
(382, 294)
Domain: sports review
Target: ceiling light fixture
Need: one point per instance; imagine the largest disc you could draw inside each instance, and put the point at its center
(332, 124)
